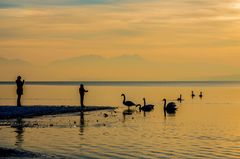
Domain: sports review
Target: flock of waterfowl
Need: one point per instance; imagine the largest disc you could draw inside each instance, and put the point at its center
(170, 107)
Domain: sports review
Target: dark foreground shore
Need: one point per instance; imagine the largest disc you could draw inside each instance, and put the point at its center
(9, 112)
(7, 153)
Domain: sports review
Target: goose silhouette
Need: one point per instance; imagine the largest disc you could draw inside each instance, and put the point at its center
(146, 107)
(128, 103)
(170, 107)
(180, 98)
(193, 95)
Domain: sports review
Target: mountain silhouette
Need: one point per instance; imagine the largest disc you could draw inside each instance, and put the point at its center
(80, 60)
(13, 62)
(99, 60)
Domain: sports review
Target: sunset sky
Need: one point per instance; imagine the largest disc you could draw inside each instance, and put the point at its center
(167, 40)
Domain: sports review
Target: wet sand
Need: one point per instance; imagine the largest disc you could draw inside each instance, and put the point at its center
(9, 112)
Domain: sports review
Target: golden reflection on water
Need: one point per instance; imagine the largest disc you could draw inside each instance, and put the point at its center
(201, 128)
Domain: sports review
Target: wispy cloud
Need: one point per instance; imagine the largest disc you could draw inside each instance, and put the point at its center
(50, 3)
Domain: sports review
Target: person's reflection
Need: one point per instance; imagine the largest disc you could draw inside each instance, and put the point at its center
(82, 122)
(19, 132)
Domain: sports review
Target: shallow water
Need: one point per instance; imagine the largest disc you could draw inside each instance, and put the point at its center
(201, 128)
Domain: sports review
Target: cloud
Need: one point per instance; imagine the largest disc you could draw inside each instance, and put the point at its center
(51, 3)
(8, 5)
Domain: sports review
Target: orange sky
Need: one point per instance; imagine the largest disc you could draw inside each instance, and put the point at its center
(184, 34)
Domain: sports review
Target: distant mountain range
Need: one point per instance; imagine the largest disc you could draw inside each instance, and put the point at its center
(13, 62)
(96, 60)
(124, 67)
(85, 59)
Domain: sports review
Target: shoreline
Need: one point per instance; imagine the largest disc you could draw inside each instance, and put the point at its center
(12, 112)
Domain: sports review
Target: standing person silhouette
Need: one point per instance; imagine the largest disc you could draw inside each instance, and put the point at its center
(82, 93)
(19, 90)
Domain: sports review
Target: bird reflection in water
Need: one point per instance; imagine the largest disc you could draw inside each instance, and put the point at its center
(82, 122)
(170, 114)
(19, 124)
(144, 113)
(127, 112)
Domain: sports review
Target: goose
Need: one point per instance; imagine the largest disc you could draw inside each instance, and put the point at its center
(200, 95)
(146, 107)
(170, 107)
(193, 95)
(180, 98)
(128, 103)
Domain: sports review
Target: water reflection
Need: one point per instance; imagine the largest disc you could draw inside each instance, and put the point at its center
(192, 133)
(171, 114)
(82, 123)
(127, 112)
(19, 131)
(144, 113)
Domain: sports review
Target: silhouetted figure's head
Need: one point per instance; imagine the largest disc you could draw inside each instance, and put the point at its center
(19, 77)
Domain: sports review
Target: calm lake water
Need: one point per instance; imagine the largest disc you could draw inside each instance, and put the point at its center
(201, 128)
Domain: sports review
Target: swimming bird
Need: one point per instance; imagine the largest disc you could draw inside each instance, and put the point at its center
(200, 95)
(170, 107)
(128, 103)
(193, 95)
(180, 98)
(146, 107)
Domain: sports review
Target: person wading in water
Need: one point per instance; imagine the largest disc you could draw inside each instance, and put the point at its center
(19, 90)
(82, 92)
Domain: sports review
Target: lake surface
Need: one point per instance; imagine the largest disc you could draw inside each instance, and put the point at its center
(201, 128)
